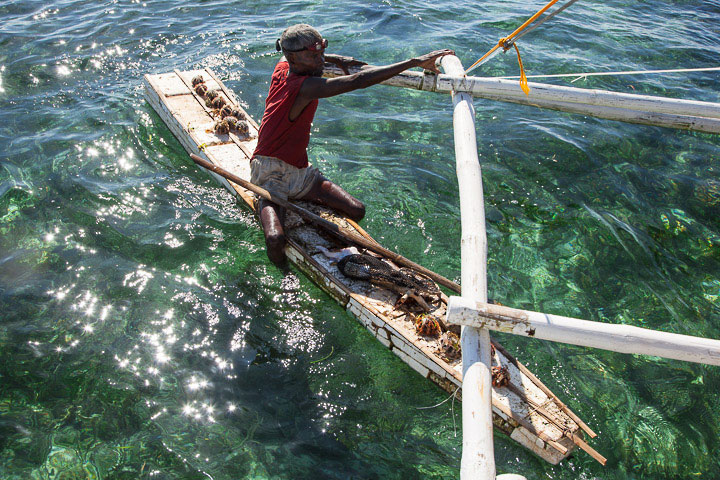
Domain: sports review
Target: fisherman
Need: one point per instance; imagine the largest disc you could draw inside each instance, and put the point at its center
(280, 161)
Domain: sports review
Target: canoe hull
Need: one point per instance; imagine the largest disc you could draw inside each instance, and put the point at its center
(549, 436)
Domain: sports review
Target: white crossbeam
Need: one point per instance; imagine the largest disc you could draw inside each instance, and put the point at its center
(606, 336)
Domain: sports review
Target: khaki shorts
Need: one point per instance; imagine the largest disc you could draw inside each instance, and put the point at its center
(282, 178)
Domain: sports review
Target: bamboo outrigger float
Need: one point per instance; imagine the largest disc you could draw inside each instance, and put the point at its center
(524, 409)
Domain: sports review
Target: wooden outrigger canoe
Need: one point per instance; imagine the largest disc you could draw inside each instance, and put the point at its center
(525, 409)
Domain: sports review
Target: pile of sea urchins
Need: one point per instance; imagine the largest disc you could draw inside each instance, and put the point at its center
(228, 118)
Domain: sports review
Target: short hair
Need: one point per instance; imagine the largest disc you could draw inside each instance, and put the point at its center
(297, 37)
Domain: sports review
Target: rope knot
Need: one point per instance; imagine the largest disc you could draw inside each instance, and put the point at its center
(506, 43)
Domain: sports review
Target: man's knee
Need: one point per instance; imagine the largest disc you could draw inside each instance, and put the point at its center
(356, 211)
(275, 245)
(335, 197)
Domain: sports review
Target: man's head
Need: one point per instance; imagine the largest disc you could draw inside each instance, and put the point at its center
(303, 47)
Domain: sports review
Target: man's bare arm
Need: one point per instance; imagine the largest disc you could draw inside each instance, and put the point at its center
(316, 87)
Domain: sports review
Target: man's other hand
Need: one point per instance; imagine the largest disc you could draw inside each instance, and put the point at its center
(344, 62)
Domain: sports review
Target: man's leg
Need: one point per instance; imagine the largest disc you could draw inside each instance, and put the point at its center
(271, 217)
(327, 193)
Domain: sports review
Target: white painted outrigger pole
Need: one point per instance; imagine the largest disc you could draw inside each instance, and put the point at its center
(625, 107)
(478, 454)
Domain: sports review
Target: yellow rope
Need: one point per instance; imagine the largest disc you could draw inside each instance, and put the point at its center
(505, 42)
(523, 77)
(501, 42)
(531, 19)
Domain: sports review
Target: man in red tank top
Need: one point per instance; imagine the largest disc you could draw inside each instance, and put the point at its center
(280, 161)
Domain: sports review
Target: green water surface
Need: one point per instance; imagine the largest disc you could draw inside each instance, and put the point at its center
(144, 334)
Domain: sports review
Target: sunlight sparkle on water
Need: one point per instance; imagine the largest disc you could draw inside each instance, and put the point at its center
(86, 303)
(171, 241)
(162, 357)
(50, 236)
(170, 337)
(195, 410)
(122, 362)
(44, 14)
(125, 163)
(115, 50)
(128, 205)
(104, 312)
(61, 293)
(197, 384)
(164, 410)
(222, 364)
(137, 279)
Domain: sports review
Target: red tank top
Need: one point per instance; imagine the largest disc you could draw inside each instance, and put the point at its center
(278, 136)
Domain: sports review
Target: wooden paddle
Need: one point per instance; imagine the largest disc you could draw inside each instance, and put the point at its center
(327, 225)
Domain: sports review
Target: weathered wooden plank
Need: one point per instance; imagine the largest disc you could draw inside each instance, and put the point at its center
(169, 84)
(530, 441)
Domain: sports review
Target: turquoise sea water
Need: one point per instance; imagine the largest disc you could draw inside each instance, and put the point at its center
(143, 333)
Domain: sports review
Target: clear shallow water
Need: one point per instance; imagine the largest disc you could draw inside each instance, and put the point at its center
(144, 335)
